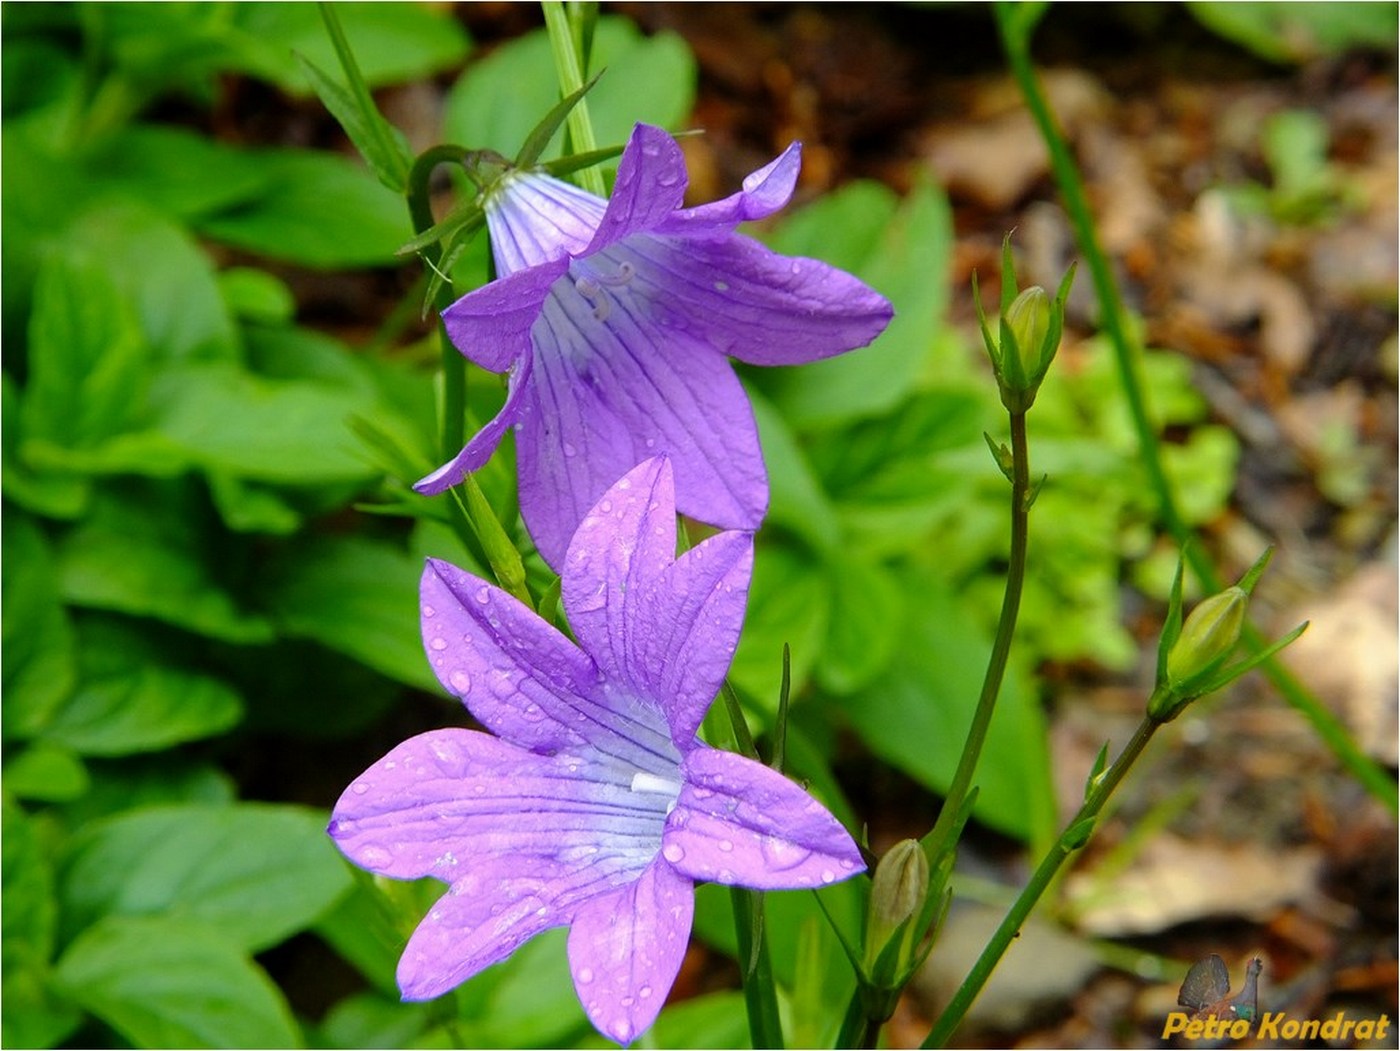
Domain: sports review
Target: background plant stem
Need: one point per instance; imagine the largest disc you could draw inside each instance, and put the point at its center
(568, 64)
(937, 840)
(1074, 836)
(1014, 32)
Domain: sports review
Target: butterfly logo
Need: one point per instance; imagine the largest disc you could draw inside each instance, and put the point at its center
(1206, 990)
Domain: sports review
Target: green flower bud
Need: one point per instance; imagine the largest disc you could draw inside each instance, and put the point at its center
(897, 892)
(1028, 322)
(1207, 637)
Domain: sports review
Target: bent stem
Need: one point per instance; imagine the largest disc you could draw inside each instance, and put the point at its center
(1074, 836)
(937, 842)
(1015, 39)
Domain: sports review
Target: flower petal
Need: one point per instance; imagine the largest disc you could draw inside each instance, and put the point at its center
(491, 325)
(739, 822)
(750, 303)
(617, 389)
(765, 191)
(479, 449)
(515, 673)
(626, 947)
(650, 185)
(535, 218)
(454, 802)
(530, 684)
(478, 922)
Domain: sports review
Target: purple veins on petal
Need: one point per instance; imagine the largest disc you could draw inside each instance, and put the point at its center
(617, 319)
(591, 804)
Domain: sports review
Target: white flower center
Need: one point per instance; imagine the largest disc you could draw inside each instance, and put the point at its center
(645, 783)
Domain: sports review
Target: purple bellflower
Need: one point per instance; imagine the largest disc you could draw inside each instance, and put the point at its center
(595, 805)
(616, 320)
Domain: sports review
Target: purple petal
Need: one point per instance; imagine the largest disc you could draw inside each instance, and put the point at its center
(622, 546)
(665, 628)
(739, 822)
(491, 325)
(478, 922)
(482, 444)
(765, 191)
(614, 390)
(452, 802)
(755, 305)
(626, 947)
(650, 185)
(516, 673)
(536, 218)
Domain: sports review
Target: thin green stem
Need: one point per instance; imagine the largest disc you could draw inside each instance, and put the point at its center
(569, 66)
(1074, 836)
(937, 840)
(454, 366)
(760, 992)
(1016, 43)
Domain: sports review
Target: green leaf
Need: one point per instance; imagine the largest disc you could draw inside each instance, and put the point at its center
(1296, 32)
(174, 170)
(797, 501)
(393, 43)
(499, 100)
(165, 275)
(51, 495)
(907, 264)
(862, 639)
(709, 1020)
(916, 715)
(250, 874)
(39, 664)
(356, 596)
(123, 785)
(382, 146)
(130, 699)
(319, 210)
(374, 1020)
(163, 982)
(789, 602)
(46, 772)
(28, 923)
(256, 295)
(527, 1001)
(137, 554)
(88, 360)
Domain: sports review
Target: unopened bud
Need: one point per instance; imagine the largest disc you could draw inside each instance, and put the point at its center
(1208, 636)
(1028, 318)
(898, 891)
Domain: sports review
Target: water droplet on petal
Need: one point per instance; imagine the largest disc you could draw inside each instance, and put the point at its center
(359, 788)
(428, 611)
(438, 644)
(673, 852)
(828, 876)
(585, 975)
(483, 595)
(701, 793)
(644, 992)
(628, 1001)
(460, 681)
(781, 854)
(725, 845)
(721, 286)
(569, 450)
(605, 506)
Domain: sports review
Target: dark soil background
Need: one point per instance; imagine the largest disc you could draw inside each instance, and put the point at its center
(1240, 835)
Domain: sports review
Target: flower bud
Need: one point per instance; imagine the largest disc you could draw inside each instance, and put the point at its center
(897, 892)
(1028, 319)
(1208, 636)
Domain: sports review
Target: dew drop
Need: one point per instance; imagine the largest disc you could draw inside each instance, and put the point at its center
(796, 267)
(725, 845)
(438, 644)
(605, 506)
(586, 975)
(847, 864)
(721, 286)
(428, 611)
(359, 788)
(828, 876)
(644, 992)
(460, 681)
(372, 855)
(628, 1001)
(781, 854)
(483, 595)
(569, 450)
(651, 443)
(673, 852)
(701, 793)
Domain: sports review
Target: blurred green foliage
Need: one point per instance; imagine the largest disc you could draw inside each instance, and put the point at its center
(209, 541)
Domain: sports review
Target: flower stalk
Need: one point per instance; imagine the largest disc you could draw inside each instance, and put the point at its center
(1014, 23)
(567, 39)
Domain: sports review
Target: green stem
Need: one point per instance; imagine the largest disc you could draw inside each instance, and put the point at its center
(1016, 44)
(760, 992)
(568, 64)
(937, 840)
(454, 366)
(1074, 836)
